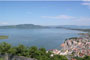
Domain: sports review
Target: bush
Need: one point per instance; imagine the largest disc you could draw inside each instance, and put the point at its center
(31, 52)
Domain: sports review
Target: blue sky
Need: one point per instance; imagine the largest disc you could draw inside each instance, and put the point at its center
(42, 0)
(45, 13)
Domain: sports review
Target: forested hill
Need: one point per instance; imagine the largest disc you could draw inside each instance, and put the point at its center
(32, 26)
(23, 26)
(74, 27)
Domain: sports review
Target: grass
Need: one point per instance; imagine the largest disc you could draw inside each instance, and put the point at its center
(1, 59)
(3, 37)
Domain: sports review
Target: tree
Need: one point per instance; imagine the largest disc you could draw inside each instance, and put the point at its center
(5, 47)
(43, 50)
(21, 50)
(86, 58)
(32, 51)
(12, 51)
(59, 57)
(78, 58)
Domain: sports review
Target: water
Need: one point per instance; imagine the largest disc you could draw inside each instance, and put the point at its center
(46, 38)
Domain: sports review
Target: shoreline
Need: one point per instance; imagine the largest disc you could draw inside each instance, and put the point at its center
(3, 37)
(75, 46)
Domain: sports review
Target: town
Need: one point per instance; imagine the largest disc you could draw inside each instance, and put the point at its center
(75, 46)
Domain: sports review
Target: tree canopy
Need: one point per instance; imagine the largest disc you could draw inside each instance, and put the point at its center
(31, 52)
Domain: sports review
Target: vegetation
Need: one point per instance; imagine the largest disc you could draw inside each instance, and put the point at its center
(85, 30)
(3, 37)
(1, 59)
(84, 58)
(23, 26)
(31, 52)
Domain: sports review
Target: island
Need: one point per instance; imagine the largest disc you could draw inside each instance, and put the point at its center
(23, 26)
(3, 37)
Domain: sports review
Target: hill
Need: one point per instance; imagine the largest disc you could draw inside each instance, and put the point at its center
(23, 26)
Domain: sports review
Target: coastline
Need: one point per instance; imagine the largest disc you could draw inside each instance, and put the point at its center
(3, 37)
(75, 47)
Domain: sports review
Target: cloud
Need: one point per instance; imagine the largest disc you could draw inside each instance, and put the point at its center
(71, 20)
(86, 0)
(86, 3)
(59, 17)
(81, 21)
(3, 23)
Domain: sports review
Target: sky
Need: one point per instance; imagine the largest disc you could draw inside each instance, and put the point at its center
(45, 12)
(44, 0)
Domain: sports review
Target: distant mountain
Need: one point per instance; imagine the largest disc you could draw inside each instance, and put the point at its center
(73, 27)
(23, 26)
(32, 26)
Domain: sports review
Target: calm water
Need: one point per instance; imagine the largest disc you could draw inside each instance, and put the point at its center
(47, 38)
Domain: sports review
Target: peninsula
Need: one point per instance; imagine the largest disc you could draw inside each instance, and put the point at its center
(3, 37)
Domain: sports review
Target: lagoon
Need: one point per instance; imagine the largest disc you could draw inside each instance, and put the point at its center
(46, 38)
